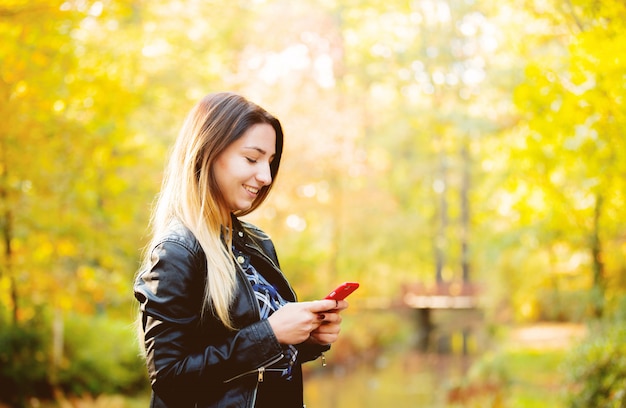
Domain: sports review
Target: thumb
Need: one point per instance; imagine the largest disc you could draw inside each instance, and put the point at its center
(323, 305)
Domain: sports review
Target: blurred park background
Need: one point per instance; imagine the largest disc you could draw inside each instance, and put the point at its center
(464, 160)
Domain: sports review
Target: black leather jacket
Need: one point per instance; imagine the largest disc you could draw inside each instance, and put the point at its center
(193, 360)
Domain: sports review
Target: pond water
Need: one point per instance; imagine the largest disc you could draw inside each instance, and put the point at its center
(398, 379)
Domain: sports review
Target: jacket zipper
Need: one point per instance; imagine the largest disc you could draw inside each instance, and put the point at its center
(260, 375)
(260, 370)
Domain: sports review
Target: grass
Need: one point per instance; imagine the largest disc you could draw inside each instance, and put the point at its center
(536, 378)
(525, 369)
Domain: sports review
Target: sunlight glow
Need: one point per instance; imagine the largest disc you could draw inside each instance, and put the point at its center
(505, 204)
(439, 186)
(296, 223)
(58, 106)
(276, 65)
(308, 190)
(583, 200)
(436, 11)
(473, 76)
(323, 73)
(158, 47)
(96, 9)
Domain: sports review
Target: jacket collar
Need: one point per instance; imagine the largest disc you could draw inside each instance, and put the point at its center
(238, 230)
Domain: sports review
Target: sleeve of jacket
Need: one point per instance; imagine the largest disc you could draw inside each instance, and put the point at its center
(170, 293)
(309, 352)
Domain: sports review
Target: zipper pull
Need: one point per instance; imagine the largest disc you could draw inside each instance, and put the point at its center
(323, 360)
(261, 372)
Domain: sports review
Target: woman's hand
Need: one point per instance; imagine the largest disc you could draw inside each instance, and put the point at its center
(296, 322)
(328, 331)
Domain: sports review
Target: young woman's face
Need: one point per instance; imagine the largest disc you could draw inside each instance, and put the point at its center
(243, 168)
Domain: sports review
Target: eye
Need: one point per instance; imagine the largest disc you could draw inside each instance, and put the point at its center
(251, 160)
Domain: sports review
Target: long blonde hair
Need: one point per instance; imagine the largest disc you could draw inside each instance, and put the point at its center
(190, 194)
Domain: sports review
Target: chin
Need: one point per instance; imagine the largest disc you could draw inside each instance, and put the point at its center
(244, 207)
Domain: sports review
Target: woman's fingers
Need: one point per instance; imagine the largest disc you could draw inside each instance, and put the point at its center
(320, 306)
(294, 322)
(330, 317)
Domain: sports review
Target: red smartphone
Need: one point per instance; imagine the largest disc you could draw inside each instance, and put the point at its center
(342, 291)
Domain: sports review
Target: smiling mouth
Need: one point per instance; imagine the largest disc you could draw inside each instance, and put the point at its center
(251, 190)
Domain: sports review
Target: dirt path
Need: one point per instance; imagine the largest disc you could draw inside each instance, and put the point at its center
(547, 335)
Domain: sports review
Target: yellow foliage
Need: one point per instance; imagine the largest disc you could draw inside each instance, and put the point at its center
(66, 247)
(43, 251)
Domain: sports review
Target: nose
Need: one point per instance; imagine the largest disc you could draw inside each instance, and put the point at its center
(264, 175)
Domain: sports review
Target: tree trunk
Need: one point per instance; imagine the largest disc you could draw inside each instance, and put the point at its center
(442, 225)
(7, 233)
(465, 212)
(599, 279)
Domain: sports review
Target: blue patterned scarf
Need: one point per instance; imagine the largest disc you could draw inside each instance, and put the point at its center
(269, 301)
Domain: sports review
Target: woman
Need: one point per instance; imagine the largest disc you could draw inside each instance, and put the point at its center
(220, 323)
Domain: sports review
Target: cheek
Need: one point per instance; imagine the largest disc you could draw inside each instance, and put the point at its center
(219, 175)
(228, 174)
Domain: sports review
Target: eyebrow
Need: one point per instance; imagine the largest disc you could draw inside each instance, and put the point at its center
(258, 149)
